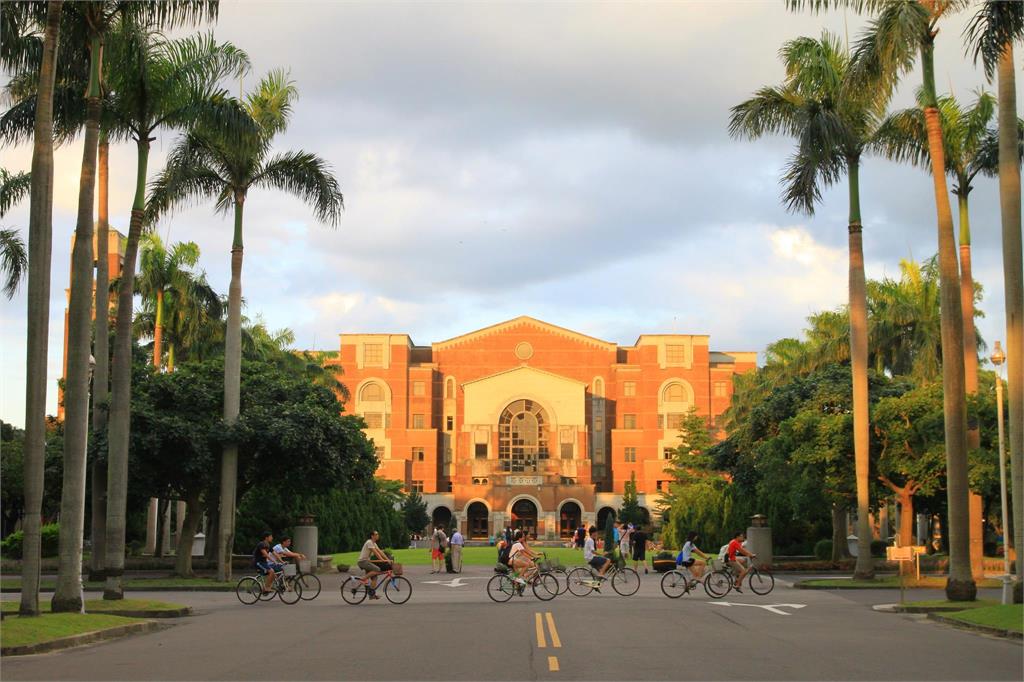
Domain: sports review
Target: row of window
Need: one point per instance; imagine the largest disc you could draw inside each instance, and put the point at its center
(417, 486)
(378, 420)
(674, 392)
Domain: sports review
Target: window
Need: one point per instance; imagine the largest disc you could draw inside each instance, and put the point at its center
(599, 387)
(598, 471)
(448, 486)
(417, 421)
(417, 486)
(447, 455)
(418, 388)
(449, 423)
(675, 355)
(568, 481)
(373, 354)
(598, 455)
(674, 420)
(449, 388)
(372, 391)
(663, 486)
(720, 389)
(629, 388)
(522, 436)
(668, 453)
(630, 454)
(480, 451)
(374, 420)
(379, 452)
(674, 393)
(417, 454)
(598, 422)
(629, 421)
(566, 450)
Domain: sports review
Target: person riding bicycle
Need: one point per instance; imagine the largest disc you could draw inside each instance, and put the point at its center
(685, 557)
(283, 550)
(522, 557)
(373, 561)
(741, 568)
(600, 563)
(264, 560)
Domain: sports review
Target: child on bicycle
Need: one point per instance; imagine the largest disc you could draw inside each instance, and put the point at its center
(685, 558)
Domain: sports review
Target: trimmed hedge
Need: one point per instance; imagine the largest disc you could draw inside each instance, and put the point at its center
(823, 550)
(11, 547)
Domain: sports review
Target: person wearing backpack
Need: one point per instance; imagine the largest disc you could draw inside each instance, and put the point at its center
(438, 542)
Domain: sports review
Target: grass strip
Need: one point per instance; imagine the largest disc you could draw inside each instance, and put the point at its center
(130, 583)
(112, 606)
(961, 605)
(886, 582)
(27, 630)
(1004, 617)
(471, 556)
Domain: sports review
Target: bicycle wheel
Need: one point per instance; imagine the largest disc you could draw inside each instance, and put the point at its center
(717, 584)
(760, 583)
(579, 581)
(500, 588)
(545, 587)
(310, 586)
(562, 576)
(248, 590)
(267, 596)
(398, 590)
(290, 591)
(626, 582)
(353, 591)
(675, 584)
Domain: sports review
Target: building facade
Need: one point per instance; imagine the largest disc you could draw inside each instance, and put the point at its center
(530, 425)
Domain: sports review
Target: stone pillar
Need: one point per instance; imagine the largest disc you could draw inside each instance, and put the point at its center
(179, 521)
(151, 527)
(923, 536)
(167, 529)
(759, 541)
(883, 522)
(305, 542)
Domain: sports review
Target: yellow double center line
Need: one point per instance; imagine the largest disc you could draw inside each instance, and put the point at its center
(556, 643)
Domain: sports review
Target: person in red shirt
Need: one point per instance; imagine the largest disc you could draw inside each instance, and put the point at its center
(740, 568)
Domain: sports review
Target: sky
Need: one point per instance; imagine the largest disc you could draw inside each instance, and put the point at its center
(568, 161)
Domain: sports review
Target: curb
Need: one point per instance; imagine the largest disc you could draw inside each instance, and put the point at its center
(84, 638)
(166, 613)
(802, 585)
(982, 629)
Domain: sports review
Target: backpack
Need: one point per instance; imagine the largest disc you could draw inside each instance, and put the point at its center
(723, 552)
(441, 540)
(503, 553)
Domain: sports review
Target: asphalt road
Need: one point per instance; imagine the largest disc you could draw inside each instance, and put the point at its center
(450, 630)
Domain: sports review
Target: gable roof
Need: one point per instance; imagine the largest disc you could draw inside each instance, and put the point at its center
(527, 321)
(526, 368)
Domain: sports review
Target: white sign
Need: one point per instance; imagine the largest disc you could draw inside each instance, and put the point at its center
(774, 608)
(525, 480)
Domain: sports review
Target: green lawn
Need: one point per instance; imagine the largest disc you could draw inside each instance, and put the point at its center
(471, 556)
(980, 603)
(133, 583)
(1008, 617)
(103, 605)
(890, 582)
(19, 631)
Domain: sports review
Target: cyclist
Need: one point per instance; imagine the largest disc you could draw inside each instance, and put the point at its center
(283, 550)
(686, 559)
(600, 563)
(264, 560)
(735, 547)
(373, 561)
(521, 557)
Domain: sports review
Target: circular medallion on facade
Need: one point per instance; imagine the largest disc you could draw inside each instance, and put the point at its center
(524, 351)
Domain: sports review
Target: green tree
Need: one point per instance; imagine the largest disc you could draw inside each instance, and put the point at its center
(834, 123)
(609, 536)
(164, 273)
(205, 164)
(414, 512)
(630, 511)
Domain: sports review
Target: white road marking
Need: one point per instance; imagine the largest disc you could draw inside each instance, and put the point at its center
(774, 608)
(454, 582)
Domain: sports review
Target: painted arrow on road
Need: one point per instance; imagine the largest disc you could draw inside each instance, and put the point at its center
(454, 582)
(774, 608)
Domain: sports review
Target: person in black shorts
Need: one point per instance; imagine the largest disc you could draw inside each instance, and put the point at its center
(263, 560)
(600, 563)
(639, 542)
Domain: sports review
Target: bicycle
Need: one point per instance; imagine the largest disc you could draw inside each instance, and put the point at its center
(397, 589)
(249, 589)
(679, 581)
(502, 587)
(556, 569)
(310, 583)
(720, 581)
(583, 580)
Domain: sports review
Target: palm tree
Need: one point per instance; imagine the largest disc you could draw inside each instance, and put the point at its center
(991, 34)
(205, 165)
(164, 273)
(13, 259)
(906, 333)
(833, 124)
(159, 83)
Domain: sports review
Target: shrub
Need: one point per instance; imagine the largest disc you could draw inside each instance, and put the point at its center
(878, 548)
(823, 549)
(49, 537)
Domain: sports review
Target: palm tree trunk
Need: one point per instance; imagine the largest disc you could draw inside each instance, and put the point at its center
(865, 568)
(68, 595)
(1013, 281)
(960, 586)
(183, 557)
(101, 373)
(839, 546)
(158, 329)
(170, 357)
(40, 242)
(232, 388)
(121, 391)
(975, 531)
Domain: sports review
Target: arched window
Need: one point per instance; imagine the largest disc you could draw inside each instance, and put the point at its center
(674, 393)
(522, 436)
(372, 391)
(599, 387)
(449, 388)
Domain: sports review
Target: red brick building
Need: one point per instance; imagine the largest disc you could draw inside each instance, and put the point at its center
(527, 424)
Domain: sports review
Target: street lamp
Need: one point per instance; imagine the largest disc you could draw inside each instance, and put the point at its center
(998, 358)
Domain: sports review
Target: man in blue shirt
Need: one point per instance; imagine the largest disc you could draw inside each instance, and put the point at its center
(456, 542)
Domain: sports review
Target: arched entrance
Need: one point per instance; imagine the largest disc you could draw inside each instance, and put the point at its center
(441, 516)
(569, 519)
(646, 517)
(524, 517)
(522, 437)
(476, 519)
(602, 517)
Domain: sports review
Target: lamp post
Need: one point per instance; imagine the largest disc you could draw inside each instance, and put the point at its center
(998, 358)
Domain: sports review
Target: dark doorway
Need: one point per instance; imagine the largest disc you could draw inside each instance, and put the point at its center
(569, 519)
(441, 516)
(477, 516)
(524, 517)
(602, 517)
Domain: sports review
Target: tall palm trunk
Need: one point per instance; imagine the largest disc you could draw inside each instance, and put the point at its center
(1013, 279)
(101, 373)
(960, 586)
(970, 373)
(158, 329)
(232, 402)
(839, 544)
(865, 568)
(170, 357)
(68, 596)
(40, 244)
(121, 391)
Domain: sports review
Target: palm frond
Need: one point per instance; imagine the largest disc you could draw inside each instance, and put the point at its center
(13, 261)
(996, 24)
(770, 111)
(308, 177)
(190, 176)
(888, 47)
(270, 105)
(13, 188)
(986, 159)
(902, 138)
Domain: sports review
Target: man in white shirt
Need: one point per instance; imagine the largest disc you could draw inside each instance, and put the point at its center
(283, 550)
(456, 543)
(373, 561)
(602, 564)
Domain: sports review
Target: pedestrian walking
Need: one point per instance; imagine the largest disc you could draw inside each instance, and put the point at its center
(625, 542)
(438, 541)
(639, 543)
(456, 543)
